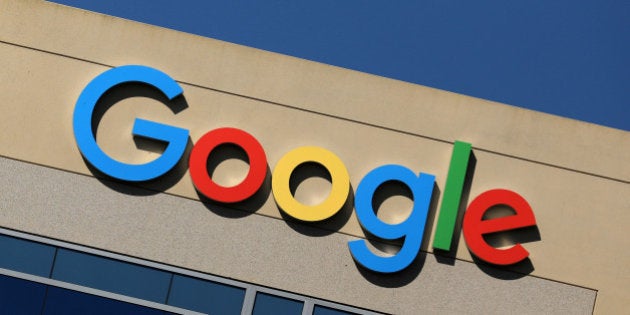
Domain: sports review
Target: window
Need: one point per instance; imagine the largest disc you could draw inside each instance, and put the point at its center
(43, 276)
(269, 304)
(111, 275)
(206, 296)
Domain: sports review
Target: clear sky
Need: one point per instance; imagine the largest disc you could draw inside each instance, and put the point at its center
(568, 58)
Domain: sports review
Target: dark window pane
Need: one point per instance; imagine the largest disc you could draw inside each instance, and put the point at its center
(19, 296)
(26, 256)
(269, 304)
(111, 275)
(67, 302)
(322, 310)
(206, 296)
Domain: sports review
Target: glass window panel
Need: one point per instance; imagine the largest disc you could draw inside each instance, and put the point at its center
(19, 296)
(68, 302)
(111, 275)
(26, 256)
(322, 310)
(205, 296)
(270, 304)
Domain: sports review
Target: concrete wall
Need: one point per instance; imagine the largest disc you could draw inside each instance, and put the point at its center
(574, 174)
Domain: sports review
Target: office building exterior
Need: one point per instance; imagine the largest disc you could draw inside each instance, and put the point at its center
(76, 238)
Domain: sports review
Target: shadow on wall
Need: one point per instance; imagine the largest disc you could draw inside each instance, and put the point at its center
(397, 279)
(509, 238)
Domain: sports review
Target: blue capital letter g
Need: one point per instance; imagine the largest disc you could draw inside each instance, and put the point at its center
(176, 138)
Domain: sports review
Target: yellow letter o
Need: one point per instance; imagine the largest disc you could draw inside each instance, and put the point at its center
(338, 193)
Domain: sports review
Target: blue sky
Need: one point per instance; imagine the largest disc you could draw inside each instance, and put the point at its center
(568, 58)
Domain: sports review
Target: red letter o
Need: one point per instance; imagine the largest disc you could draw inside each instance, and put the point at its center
(199, 169)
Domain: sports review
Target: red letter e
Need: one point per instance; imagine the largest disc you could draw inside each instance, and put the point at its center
(474, 227)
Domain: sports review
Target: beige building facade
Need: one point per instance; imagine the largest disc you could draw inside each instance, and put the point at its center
(575, 175)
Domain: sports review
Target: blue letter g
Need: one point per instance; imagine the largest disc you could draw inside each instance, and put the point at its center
(176, 138)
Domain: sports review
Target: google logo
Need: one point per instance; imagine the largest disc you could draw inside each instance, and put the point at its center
(474, 226)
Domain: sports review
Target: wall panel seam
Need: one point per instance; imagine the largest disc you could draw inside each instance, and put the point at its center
(364, 123)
